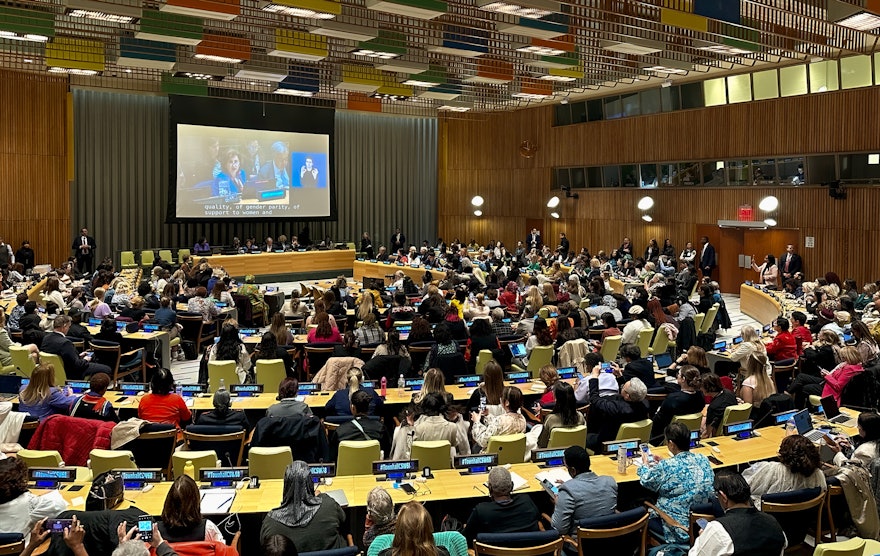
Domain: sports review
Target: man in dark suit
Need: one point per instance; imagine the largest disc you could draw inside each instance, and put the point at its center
(533, 240)
(84, 245)
(398, 241)
(269, 247)
(790, 263)
(75, 366)
(278, 171)
(636, 366)
(615, 409)
(563, 245)
(362, 427)
(707, 257)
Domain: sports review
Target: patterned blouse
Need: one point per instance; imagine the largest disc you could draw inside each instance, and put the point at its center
(506, 423)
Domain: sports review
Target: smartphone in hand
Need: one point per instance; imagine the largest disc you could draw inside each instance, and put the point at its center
(145, 528)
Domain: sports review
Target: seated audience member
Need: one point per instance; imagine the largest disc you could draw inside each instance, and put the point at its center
(92, 404)
(380, 518)
(77, 330)
(799, 466)
(40, 397)
(108, 332)
(757, 384)
(311, 521)
(166, 316)
(686, 401)
(432, 425)
(340, 402)
(636, 366)
(136, 312)
(76, 366)
(608, 412)
(288, 405)
(200, 303)
(869, 432)
(229, 347)
(162, 404)
(565, 413)
(223, 414)
(17, 311)
(586, 495)
(279, 327)
(511, 421)
(549, 376)
(392, 346)
(20, 509)
(800, 331)
(278, 545)
(719, 399)
(680, 481)
(414, 533)
(182, 520)
(631, 330)
(349, 346)
(837, 379)
(865, 343)
(269, 349)
(504, 513)
(369, 333)
(821, 355)
(32, 324)
(742, 529)
(99, 308)
(362, 427)
(751, 343)
(499, 327)
(6, 343)
(324, 332)
(609, 325)
(783, 346)
(695, 356)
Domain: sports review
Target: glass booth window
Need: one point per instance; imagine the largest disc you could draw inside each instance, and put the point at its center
(764, 171)
(630, 175)
(791, 170)
(648, 176)
(738, 172)
(611, 176)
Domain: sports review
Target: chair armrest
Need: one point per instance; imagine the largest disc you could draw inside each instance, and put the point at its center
(132, 352)
(250, 437)
(570, 541)
(236, 542)
(531, 416)
(667, 519)
(349, 539)
(546, 519)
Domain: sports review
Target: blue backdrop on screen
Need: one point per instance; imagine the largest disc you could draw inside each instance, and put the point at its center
(309, 175)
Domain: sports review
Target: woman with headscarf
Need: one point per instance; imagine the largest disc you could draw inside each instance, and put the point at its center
(311, 521)
(223, 414)
(253, 293)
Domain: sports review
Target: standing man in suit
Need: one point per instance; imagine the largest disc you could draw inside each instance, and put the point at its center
(563, 245)
(790, 263)
(707, 257)
(398, 241)
(75, 365)
(533, 240)
(84, 245)
(278, 171)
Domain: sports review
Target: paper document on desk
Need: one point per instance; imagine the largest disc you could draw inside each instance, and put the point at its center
(339, 496)
(217, 501)
(189, 402)
(554, 476)
(518, 481)
(300, 398)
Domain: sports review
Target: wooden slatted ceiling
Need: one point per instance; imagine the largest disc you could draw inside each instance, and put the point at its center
(34, 164)
(482, 157)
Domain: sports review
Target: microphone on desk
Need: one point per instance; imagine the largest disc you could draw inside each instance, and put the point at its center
(228, 459)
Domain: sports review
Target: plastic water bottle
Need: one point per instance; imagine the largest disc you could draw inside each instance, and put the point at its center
(384, 391)
(222, 384)
(189, 469)
(401, 385)
(621, 460)
(790, 427)
(178, 388)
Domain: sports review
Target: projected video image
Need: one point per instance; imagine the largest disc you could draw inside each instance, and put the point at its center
(229, 172)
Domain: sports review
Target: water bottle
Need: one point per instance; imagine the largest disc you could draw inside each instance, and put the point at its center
(621, 460)
(790, 427)
(222, 385)
(189, 469)
(384, 391)
(178, 388)
(401, 385)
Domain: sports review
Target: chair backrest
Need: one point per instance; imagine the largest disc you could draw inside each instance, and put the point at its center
(55, 361)
(107, 353)
(851, 547)
(693, 421)
(644, 341)
(707, 323)
(519, 544)
(11, 543)
(540, 356)
(317, 357)
(182, 253)
(192, 326)
(40, 458)
(221, 370)
(200, 459)
(794, 510)
(451, 365)
(126, 259)
(269, 463)
(105, 460)
(153, 447)
(698, 321)
(622, 533)
(661, 342)
(436, 454)
(21, 360)
(28, 428)
(563, 437)
(639, 429)
(229, 446)
(610, 347)
(270, 373)
(148, 257)
(165, 255)
(735, 414)
(511, 448)
(483, 357)
(356, 457)
(701, 511)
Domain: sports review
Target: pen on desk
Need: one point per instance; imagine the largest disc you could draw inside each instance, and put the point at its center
(229, 501)
(480, 490)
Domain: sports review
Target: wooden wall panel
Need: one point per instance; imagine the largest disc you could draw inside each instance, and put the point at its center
(33, 159)
(481, 157)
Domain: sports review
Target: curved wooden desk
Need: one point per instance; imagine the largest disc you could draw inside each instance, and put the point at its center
(261, 264)
(758, 305)
(366, 269)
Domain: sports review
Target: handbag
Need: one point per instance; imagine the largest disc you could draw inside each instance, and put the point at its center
(106, 493)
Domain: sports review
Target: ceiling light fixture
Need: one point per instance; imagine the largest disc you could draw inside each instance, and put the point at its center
(537, 28)
(532, 9)
(477, 201)
(635, 46)
(309, 9)
(102, 11)
(418, 9)
(769, 203)
(647, 218)
(456, 106)
(853, 16)
(554, 214)
(553, 202)
(347, 31)
(72, 71)
(478, 212)
(770, 221)
(645, 203)
(400, 66)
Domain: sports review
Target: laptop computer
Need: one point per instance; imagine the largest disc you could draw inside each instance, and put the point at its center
(9, 387)
(518, 349)
(663, 360)
(804, 425)
(833, 413)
